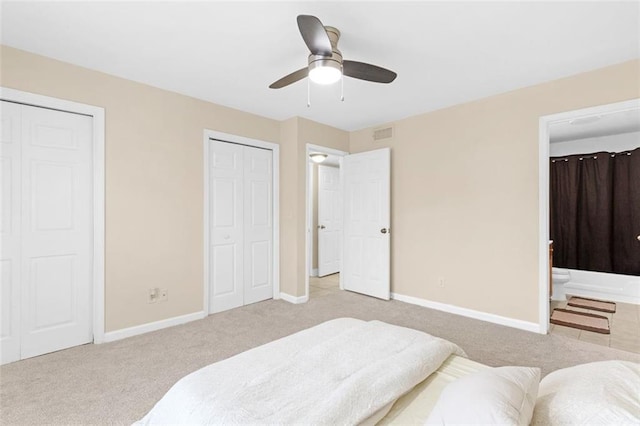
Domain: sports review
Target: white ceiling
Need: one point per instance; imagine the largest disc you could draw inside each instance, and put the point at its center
(602, 125)
(445, 53)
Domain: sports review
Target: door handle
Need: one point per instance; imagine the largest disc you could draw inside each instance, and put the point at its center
(638, 237)
(320, 226)
(385, 230)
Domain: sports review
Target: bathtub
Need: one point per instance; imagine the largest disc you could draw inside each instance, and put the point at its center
(599, 285)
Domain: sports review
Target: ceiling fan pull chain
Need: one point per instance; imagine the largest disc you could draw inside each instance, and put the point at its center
(308, 93)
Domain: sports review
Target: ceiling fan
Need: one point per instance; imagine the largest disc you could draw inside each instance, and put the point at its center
(326, 65)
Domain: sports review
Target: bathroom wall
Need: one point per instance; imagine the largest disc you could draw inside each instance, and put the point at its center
(610, 143)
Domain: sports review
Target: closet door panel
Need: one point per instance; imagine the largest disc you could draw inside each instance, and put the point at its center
(57, 231)
(258, 224)
(226, 188)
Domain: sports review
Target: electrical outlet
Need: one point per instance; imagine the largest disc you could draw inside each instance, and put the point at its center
(153, 295)
(441, 282)
(164, 295)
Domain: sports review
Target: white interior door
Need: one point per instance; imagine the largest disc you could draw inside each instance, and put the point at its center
(366, 253)
(329, 220)
(51, 221)
(258, 225)
(241, 225)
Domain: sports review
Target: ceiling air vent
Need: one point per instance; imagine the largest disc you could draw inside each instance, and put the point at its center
(384, 134)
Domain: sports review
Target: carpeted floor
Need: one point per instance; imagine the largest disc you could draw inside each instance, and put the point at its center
(117, 383)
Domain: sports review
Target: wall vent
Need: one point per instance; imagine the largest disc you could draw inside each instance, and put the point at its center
(383, 134)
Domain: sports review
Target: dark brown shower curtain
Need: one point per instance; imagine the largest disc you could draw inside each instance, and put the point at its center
(595, 212)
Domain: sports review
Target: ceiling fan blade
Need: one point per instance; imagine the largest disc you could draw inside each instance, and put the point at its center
(368, 72)
(291, 78)
(314, 35)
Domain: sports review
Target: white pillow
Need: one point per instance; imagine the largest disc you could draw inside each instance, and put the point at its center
(503, 395)
(606, 392)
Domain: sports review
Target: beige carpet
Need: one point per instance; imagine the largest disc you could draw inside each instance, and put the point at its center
(117, 383)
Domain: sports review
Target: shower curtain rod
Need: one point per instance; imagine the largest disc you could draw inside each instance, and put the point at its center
(594, 157)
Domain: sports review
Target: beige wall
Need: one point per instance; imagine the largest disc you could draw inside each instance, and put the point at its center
(464, 182)
(290, 253)
(465, 192)
(154, 181)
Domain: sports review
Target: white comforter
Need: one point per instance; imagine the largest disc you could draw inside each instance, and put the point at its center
(339, 372)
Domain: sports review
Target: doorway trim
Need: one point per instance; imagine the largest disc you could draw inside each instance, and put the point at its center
(543, 193)
(210, 135)
(98, 127)
(308, 235)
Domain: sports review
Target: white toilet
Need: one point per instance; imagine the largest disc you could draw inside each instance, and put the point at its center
(559, 277)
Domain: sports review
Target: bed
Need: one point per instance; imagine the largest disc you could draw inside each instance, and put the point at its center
(349, 371)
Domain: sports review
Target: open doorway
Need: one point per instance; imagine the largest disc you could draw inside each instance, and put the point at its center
(324, 220)
(574, 139)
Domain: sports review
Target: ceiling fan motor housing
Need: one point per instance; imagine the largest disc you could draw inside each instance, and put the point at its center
(333, 61)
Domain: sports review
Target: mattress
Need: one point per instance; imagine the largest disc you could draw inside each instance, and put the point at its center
(414, 407)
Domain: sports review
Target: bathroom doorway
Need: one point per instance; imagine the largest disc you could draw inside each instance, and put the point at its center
(569, 147)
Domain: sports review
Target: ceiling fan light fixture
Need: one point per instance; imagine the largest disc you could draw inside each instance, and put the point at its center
(318, 157)
(325, 71)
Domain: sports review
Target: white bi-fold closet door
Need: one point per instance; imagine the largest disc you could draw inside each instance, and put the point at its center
(241, 225)
(47, 228)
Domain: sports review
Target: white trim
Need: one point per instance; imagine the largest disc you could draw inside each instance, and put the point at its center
(97, 114)
(312, 240)
(308, 195)
(543, 193)
(275, 149)
(152, 326)
(293, 299)
(470, 313)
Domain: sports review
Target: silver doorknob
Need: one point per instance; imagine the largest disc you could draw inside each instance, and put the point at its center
(321, 227)
(638, 237)
(384, 230)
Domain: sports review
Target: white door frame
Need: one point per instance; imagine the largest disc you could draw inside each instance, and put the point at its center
(308, 236)
(97, 115)
(543, 193)
(275, 149)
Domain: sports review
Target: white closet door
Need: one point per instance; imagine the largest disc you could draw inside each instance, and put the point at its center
(241, 224)
(57, 226)
(329, 220)
(47, 230)
(226, 275)
(10, 232)
(258, 225)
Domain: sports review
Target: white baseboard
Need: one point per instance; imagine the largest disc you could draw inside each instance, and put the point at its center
(123, 333)
(314, 272)
(483, 316)
(293, 299)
